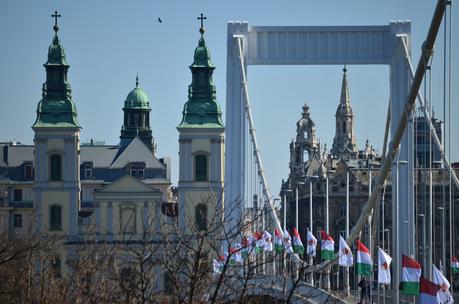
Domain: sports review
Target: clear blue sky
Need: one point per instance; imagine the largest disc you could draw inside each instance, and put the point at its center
(107, 42)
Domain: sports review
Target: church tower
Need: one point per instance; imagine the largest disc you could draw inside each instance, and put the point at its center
(137, 118)
(201, 139)
(56, 148)
(344, 144)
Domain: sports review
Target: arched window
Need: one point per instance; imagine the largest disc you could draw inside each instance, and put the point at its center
(55, 161)
(55, 218)
(200, 167)
(201, 217)
(344, 127)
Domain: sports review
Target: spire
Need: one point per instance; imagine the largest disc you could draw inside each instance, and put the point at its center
(344, 142)
(345, 100)
(201, 110)
(56, 109)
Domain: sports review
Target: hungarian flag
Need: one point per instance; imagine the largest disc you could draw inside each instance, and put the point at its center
(297, 244)
(259, 242)
(411, 272)
(454, 265)
(312, 244)
(384, 261)
(247, 242)
(327, 246)
(428, 292)
(277, 241)
(219, 263)
(235, 253)
(345, 254)
(364, 262)
(267, 239)
(443, 294)
(287, 242)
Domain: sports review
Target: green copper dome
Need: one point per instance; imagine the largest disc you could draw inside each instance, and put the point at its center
(56, 108)
(202, 109)
(137, 98)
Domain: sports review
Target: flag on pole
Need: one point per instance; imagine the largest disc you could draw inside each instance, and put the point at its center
(428, 292)
(297, 243)
(287, 242)
(267, 239)
(346, 258)
(454, 265)
(219, 263)
(246, 245)
(312, 244)
(277, 241)
(364, 262)
(235, 253)
(384, 261)
(259, 242)
(411, 272)
(443, 294)
(327, 246)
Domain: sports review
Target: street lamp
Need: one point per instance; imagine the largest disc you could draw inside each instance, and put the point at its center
(346, 269)
(296, 204)
(310, 178)
(395, 235)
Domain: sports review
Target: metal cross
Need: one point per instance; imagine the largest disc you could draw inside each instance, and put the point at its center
(55, 16)
(202, 18)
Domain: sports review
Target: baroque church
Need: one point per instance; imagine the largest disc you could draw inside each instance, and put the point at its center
(59, 186)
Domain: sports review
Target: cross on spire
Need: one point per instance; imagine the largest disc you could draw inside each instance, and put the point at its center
(202, 18)
(55, 16)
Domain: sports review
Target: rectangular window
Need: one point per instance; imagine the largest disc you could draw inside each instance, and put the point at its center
(28, 171)
(17, 195)
(55, 218)
(55, 167)
(201, 168)
(87, 171)
(17, 220)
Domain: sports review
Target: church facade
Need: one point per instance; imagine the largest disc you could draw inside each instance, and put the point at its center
(111, 193)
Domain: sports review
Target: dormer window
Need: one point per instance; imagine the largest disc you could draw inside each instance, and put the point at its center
(137, 170)
(28, 171)
(87, 168)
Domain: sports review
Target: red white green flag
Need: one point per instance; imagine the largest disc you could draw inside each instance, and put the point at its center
(411, 273)
(428, 292)
(277, 241)
(327, 246)
(454, 265)
(260, 242)
(297, 244)
(364, 262)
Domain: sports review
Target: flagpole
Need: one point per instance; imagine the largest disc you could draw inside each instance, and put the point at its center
(346, 269)
(327, 273)
(311, 278)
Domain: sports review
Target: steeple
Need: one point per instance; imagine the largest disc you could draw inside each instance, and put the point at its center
(56, 109)
(136, 117)
(201, 110)
(344, 142)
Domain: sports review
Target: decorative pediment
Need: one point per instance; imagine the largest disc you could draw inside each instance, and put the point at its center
(127, 184)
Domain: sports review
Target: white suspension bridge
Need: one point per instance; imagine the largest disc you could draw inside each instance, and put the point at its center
(335, 45)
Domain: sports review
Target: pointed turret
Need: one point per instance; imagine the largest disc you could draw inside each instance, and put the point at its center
(344, 143)
(201, 109)
(56, 109)
(137, 117)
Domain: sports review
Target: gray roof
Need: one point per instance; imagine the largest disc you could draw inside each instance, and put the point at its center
(136, 151)
(100, 156)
